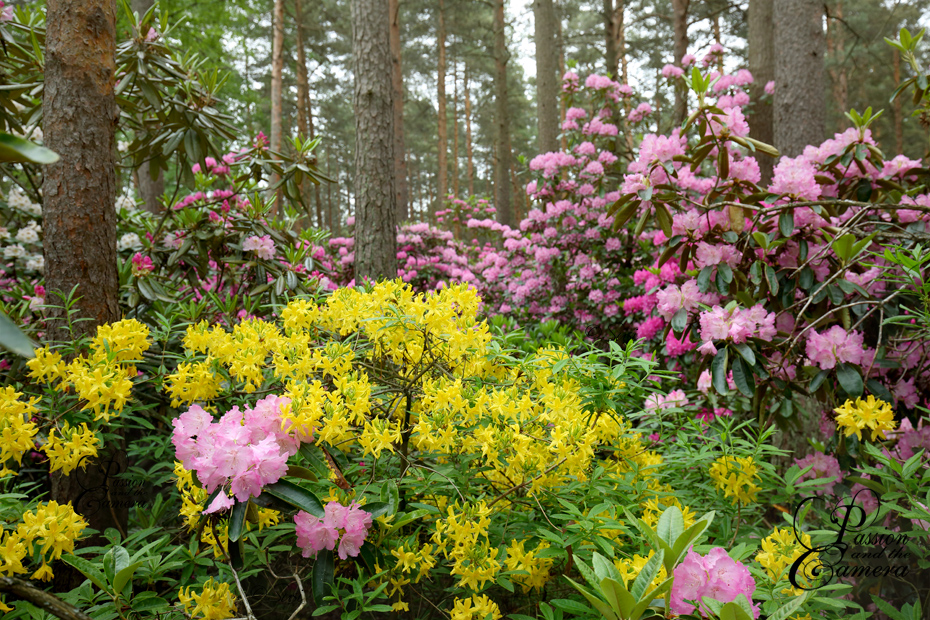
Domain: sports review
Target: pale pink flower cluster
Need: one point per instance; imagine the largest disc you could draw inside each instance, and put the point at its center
(348, 525)
(834, 346)
(675, 398)
(642, 111)
(671, 71)
(822, 466)
(716, 576)
(736, 325)
(245, 450)
(671, 299)
(262, 246)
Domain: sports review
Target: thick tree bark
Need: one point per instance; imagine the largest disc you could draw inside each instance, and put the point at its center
(799, 73)
(442, 147)
(79, 123)
(762, 67)
(277, 70)
(547, 78)
(502, 193)
(469, 154)
(400, 148)
(680, 27)
(376, 201)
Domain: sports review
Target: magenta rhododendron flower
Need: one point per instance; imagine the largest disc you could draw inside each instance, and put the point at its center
(716, 575)
(315, 534)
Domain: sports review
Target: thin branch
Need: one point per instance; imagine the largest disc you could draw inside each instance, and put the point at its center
(43, 600)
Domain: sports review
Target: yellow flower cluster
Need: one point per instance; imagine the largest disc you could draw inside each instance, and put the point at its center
(655, 506)
(475, 608)
(873, 414)
(102, 378)
(215, 601)
(520, 560)
(462, 537)
(50, 530)
(735, 476)
(17, 429)
(70, 450)
(630, 568)
(780, 550)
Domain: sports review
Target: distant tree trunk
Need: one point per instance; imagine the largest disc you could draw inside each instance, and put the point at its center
(762, 67)
(835, 49)
(376, 201)
(470, 165)
(799, 85)
(330, 208)
(79, 196)
(277, 70)
(611, 57)
(563, 141)
(716, 25)
(502, 177)
(442, 148)
(400, 149)
(898, 115)
(547, 79)
(304, 118)
(149, 190)
(620, 35)
(455, 128)
(680, 27)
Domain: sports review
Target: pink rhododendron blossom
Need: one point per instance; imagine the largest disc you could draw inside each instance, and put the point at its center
(795, 177)
(822, 466)
(716, 576)
(834, 346)
(262, 246)
(351, 523)
(671, 71)
(770, 87)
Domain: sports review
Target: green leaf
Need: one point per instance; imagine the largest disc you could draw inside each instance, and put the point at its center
(818, 380)
(18, 150)
(786, 223)
(619, 596)
(647, 574)
(671, 525)
(732, 611)
(237, 520)
(680, 321)
(850, 380)
(407, 518)
(390, 495)
(603, 567)
(599, 604)
(323, 575)
(719, 370)
(377, 509)
(572, 607)
(771, 279)
(87, 569)
(665, 219)
(124, 576)
(743, 378)
(296, 471)
(13, 339)
(703, 279)
(296, 496)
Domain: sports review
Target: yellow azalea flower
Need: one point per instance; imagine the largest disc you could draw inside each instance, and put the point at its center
(46, 366)
(873, 414)
(214, 602)
(475, 608)
(780, 550)
(44, 573)
(735, 476)
(74, 448)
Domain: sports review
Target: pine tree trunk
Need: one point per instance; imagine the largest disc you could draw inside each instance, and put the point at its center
(304, 122)
(400, 149)
(563, 141)
(502, 176)
(442, 148)
(376, 201)
(469, 154)
(79, 215)
(680, 27)
(455, 128)
(277, 70)
(620, 25)
(610, 43)
(547, 79)
(799, 72)
(715, 22)
(762, 67)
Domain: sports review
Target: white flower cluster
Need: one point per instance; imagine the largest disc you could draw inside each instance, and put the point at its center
(125, 202)
(19, 201)
(129, 241)
(29, 233)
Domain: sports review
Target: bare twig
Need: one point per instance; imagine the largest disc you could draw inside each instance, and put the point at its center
(43, 600)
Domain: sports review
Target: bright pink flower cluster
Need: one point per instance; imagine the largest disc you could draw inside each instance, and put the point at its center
(243, 452)
(142, 265)
(716, 575)
(348, 525)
